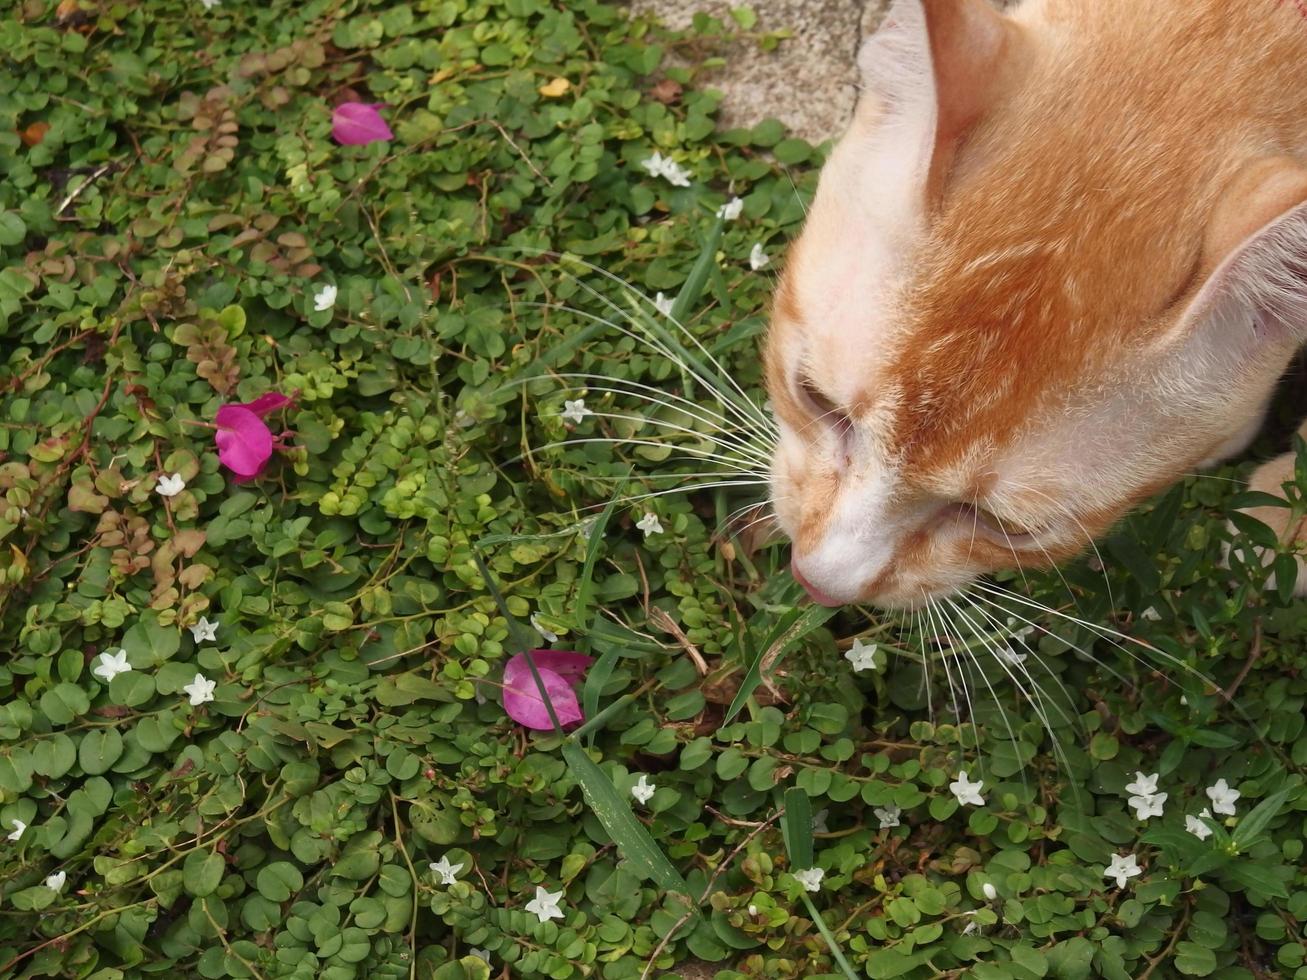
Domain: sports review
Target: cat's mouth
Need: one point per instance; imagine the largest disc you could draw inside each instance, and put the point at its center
(907, 599)
(814, 593)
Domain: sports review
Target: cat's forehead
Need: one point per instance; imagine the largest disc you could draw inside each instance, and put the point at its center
(1035, 273)
(1034, 280)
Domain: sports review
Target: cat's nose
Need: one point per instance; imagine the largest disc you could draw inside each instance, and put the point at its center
(814, 593)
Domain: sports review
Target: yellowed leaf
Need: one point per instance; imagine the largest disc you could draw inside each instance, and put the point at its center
(555, 89)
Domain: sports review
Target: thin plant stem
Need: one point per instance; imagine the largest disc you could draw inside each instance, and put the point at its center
(830, 938)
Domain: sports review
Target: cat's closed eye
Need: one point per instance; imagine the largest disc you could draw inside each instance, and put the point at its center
(1005, 529)
(821, 407)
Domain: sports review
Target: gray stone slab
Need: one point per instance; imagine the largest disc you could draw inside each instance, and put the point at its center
(807, 83)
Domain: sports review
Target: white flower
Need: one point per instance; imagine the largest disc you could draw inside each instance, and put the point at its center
(1019, 633)
(545, 905)
(170, 486)
(549, 636)
(810, 878)
(110, 665)
(668, 169)
(966, 791)
(990, 891)
(201, 690)
(1196, 826)
(481, 953)
(1143, 785)
(1147, 806)
(861, 655)
(676, 175)
(1151, 614)
(663, 304)
(753, 910)
(575, 411)
(204, 630)
(324, 298)
(56, 881)
(970, 927)
(445, 870)
(1223, 798)
(643, 790)
(19, 827)
(888, 816)
(758, 259)
(650, 524)
(654, 165)
(819, 821)
(210, 4)
(1123, 869)
(730, 211)
(1011, 657)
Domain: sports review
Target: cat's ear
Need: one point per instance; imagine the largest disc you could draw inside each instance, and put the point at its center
(932, 71)
(1239, 331)
(1253, 302)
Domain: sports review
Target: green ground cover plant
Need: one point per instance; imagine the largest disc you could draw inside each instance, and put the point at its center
(256, 727)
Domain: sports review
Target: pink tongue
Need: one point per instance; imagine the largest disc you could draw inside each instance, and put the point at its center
(814, 593)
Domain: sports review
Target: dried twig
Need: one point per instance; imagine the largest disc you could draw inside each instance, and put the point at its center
(73, 195)
(1254, 654)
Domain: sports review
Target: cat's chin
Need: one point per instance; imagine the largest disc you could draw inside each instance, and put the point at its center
(892, 601)
(924, 599)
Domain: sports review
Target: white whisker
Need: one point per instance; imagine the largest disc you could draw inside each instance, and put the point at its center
(727, 461)
(730, 445)
(727, 402)
(692, 408)
(641, 297)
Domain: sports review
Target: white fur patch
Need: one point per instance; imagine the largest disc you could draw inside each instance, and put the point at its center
(869, 211)
(861, 538)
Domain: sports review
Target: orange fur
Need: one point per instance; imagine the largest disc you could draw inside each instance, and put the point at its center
(1062, 249)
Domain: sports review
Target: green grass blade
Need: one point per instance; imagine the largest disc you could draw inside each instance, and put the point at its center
(698, 364)
(595, 680)
(642, 854)
(807, 621)
(700, 272)
(583, 588)
(597, 677)
(796, 828)
(830, 939)
(594, 723)
(1260, 815)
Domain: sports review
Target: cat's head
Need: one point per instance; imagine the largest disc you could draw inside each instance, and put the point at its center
(1058, 260)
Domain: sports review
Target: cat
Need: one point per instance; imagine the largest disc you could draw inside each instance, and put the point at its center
(1058, 260)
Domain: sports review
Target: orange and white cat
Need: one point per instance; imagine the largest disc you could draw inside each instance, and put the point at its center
(1058, 260)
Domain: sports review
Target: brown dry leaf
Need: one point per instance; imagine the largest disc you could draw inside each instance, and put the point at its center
(83, 498)
(34, 134)
(667, 92)
(556, 88)
(188, 541)
(194, 576)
